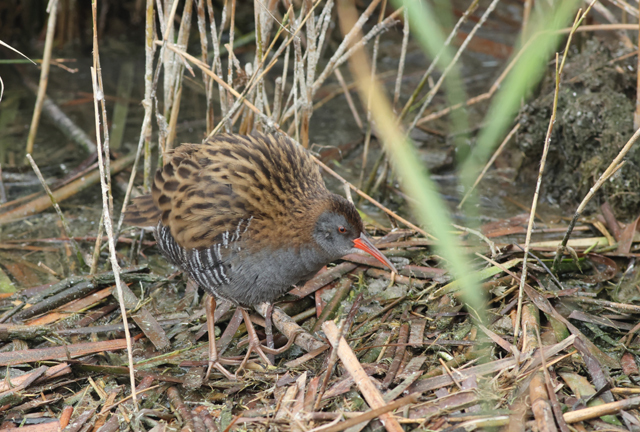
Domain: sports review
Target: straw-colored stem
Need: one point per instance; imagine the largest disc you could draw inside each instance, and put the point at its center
(204, 47)
(103, 102)
(96, 248)
(112, 246)
(403, 56)
(547, 142)
(232, 26)
(44, 75)
(636, 114)
(145, 132)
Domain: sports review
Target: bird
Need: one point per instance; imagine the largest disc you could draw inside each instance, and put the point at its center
(247, 217)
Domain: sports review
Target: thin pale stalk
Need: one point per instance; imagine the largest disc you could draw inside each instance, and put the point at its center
(283, 82)
(44, 74)
(257, 62)
(547, 142)
(277, 99)
(204, 48)
(96, 248)
(325, 19)
(294, 87)
(216, 64)
(230, 50)
(302, 128)
(112, 246)
(403, 56)
(103, 102)
(178, 74)
(168, 58)
(312, 59)
(636, 114)
(145, 132)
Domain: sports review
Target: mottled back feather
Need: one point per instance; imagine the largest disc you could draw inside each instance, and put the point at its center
(206, 190)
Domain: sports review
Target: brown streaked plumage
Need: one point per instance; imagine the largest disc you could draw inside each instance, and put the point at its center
(247, 217)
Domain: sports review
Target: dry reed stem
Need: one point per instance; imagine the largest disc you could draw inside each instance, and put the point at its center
(547, 142)
(96, 248)
(216, 63)
(636, 114)
(488, 164)
(600, 410)
(176, 73)
(52, 8)
(349, 360)
(3, 192)
(98, 94)
(204, 48)
(232, 23)
(331, 362)
(403, 56)
(103, 102)
(555, 405)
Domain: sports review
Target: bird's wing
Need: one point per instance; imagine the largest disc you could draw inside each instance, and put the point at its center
(210, 193)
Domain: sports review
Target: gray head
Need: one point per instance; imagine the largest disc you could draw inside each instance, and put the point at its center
(339, 231)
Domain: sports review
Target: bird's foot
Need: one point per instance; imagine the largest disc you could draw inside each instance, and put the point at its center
(257, 347)
(214, 363)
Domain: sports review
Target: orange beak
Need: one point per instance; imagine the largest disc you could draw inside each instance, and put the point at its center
(363, 243)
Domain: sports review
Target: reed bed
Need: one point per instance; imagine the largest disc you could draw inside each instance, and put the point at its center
(481, 329)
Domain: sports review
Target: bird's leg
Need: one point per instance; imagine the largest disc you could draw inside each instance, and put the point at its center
(254, 341)
(210, 308)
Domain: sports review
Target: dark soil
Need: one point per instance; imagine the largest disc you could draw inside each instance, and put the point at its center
(594, 121)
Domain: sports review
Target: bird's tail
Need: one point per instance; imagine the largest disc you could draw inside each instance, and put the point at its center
(142, 212)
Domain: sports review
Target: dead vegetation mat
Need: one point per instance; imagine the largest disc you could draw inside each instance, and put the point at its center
(431, 364)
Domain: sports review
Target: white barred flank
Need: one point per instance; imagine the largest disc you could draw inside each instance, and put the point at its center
(204, 266)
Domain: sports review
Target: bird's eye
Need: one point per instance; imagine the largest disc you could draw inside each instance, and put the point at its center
(342, 230)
